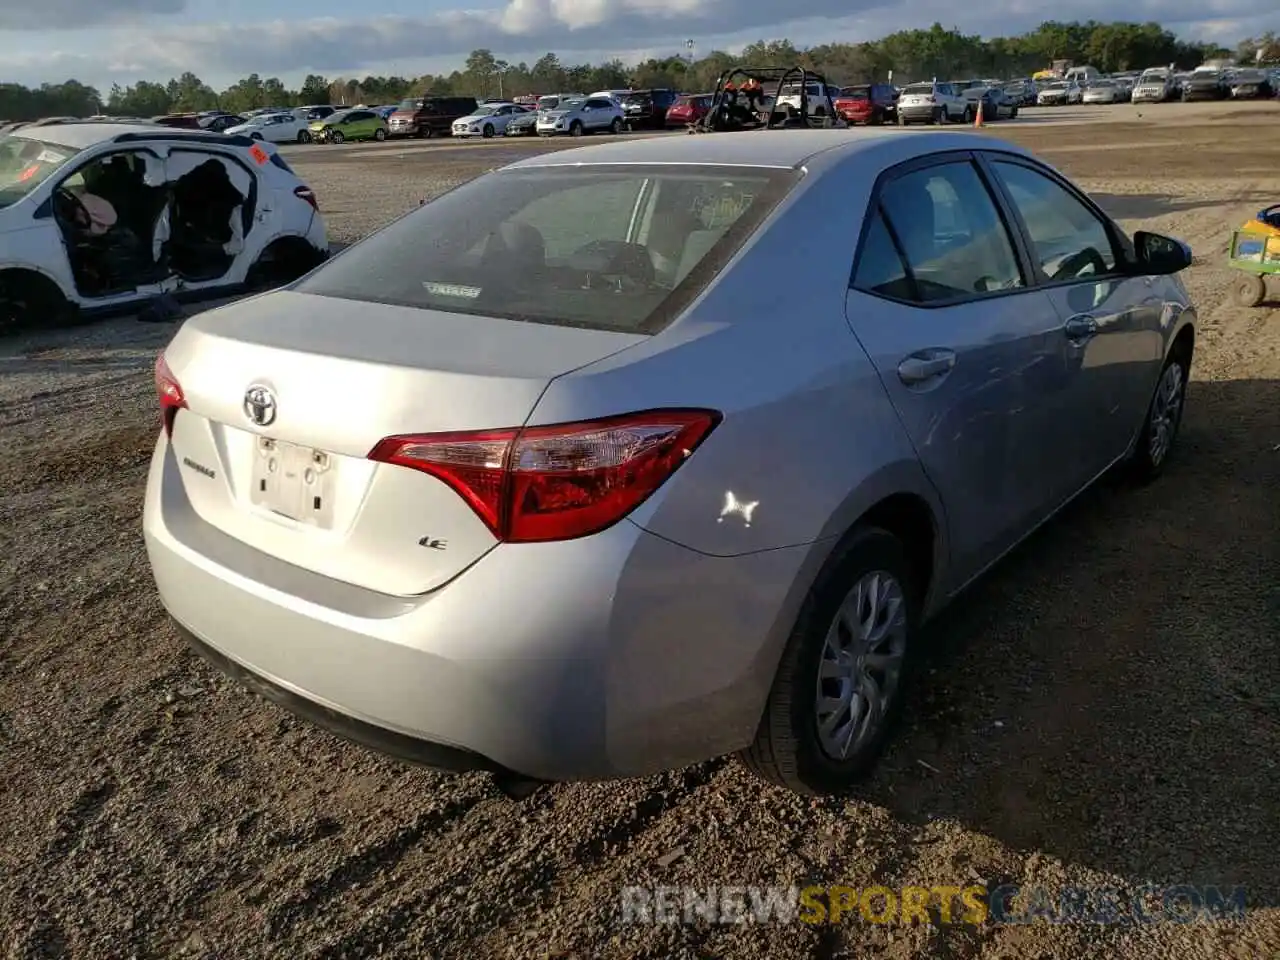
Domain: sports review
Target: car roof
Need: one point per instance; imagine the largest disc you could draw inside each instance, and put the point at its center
(786, 149)
(83, 135)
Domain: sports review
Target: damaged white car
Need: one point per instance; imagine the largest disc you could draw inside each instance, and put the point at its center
(102, 216)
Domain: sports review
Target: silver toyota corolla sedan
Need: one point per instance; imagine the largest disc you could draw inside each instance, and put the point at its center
(626, 457)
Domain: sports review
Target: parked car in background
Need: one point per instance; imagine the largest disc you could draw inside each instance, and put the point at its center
(170, 209)
(429, 116)
(821, 97)
(1059, 93)
(317, 111)
(1103, 91)
(221, 122)
(994, 103)
(689, 108)
(488, 120)
(523, 124)
(556, 388)
(1250, 84)
(1023, 92)
(577, 117)
(353, 124)
(617, 96)
(868, 103)
(183, 121)
(1205, 83)
(647, 109)
(277, 127)
(1154, 86)
(932, 103)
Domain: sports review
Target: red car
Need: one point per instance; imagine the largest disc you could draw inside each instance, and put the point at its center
(687, 109)
(870, 103)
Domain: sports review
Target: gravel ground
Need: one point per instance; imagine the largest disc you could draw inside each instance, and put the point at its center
(1102, 710)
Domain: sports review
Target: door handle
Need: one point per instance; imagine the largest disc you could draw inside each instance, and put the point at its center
(1080, 328)
(926, 365)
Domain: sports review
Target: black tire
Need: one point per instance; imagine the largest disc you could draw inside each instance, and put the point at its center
(379, 135)
(29, 301)
(616, 127)
(487, 132)
(427, 133)
(786, 750)
(1249, 290)
(304, 136)
(939, 116)
(1149, 459)
(575, 129)
(969, 115)
(283, 261)
(1013, 114)
(255, 135)
(337, 137)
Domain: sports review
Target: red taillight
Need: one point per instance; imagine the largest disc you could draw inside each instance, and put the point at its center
(309, 195)
(170, 394)
(560, 482)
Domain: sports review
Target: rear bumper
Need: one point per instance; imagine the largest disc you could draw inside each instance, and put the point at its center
(923, 112)
(616, 655)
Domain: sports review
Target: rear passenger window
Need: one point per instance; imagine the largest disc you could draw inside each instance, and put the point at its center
(950, 233)
(569, 218)
(880, 267)
(1069, 240)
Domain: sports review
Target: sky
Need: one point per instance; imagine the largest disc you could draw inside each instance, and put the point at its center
(105, 41)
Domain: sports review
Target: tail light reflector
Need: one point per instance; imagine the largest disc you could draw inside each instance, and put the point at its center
(557, 482)
(169, 391)
(309, 195)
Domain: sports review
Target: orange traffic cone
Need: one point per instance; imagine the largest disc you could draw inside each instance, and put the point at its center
(977, 117)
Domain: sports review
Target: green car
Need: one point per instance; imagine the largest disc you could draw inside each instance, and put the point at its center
(349, 125)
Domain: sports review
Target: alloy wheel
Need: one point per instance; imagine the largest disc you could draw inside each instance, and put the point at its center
(861, 665)
(1166, 412)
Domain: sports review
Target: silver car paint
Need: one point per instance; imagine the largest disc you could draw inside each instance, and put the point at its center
(652, 644)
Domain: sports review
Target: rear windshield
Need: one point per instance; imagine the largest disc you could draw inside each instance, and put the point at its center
(856, 93)
(610, 248)
(919, 88)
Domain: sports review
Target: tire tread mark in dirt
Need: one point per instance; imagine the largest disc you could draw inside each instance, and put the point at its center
(73, 821)
(647, 811)
(359, 867)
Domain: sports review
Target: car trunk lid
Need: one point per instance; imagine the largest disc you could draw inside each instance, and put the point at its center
(287, 394)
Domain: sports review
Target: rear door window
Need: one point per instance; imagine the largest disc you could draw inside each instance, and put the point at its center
(948, 233)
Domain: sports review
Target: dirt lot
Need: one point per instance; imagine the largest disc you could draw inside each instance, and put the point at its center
(1104, 709)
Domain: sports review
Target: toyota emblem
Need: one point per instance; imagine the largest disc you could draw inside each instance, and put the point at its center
(260, 405)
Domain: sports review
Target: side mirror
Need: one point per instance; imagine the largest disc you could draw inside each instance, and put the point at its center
(1159, 254)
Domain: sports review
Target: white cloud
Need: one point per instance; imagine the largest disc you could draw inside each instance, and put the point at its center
(574, 29)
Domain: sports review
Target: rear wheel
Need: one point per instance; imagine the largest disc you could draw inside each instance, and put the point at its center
(616, 127)
(839, 685)
(1249, 290)
(255, 135)
(379, 134)
(969, 114)
(336, 137)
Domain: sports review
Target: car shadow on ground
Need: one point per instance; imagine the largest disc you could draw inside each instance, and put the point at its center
(1142, 206)
(1110, 695)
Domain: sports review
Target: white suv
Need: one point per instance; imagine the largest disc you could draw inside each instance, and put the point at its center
(932, 103)
(578, 116)
(100, 216)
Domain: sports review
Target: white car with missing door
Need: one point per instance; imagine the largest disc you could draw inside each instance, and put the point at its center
(595, 114)
(488, 120)
(288, 127)
(104, 216)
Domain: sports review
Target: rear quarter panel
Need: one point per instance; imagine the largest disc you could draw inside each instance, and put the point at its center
(809, 440)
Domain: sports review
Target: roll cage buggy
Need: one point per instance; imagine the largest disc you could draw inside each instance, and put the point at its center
(733, 109)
